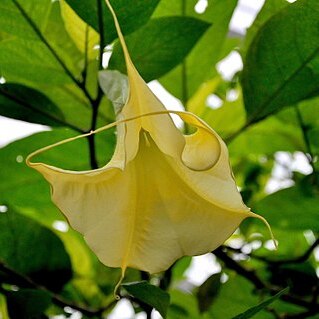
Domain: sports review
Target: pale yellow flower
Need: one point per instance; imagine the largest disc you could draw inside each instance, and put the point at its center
(163, 195)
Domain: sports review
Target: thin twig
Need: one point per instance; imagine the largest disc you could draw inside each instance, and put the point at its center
(97, 101)
(240, 270)
(242, 129)
(310, 155)
(301, 315)
(185, 94)
(300, 259)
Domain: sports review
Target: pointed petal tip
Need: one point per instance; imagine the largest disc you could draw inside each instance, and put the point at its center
(275, 242)
(116, 293)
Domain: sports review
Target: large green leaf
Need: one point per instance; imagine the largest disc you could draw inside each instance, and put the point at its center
(13, 23)
(27, 303)
(200, 63)
(30, 60)
(270, 8)
(282, 63)
(33, 250)
(160, 45)
(292, 208)
(131, 15)
(267, 137)
(37, 47)
(150, 294)
(183, 305)
(22, 103)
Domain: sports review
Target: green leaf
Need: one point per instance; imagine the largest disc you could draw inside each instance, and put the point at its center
(227, 119)
(270, 8)
(30, 60)
(131, 15)
(208, 291)
(57, 36)
(183, 305)
(254, 310)
(26, 104)
(24, 53)
(292, 208)
(27, 303)
(200, 62)
(3, 308)
(33, 250)
(151, 295)
(267, 137)
(11, 21)
(166, 42)
(282, 63)
(85, 37)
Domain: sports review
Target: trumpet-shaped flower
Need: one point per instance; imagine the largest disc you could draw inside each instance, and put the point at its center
(163, 195)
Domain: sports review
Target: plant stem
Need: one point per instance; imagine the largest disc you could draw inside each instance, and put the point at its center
(184, 69)
(96, 102)
(184, 77)
(304, 257)
(304, 129)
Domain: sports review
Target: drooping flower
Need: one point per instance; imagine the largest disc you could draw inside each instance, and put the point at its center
(163, 195)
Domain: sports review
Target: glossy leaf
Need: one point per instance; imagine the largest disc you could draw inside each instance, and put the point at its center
(48, 264)
(131, 16)
(160, 45)
(151, 295)
(200, 63)
(25, 60)
(270, 8)
(282, 63)
(84, 36)
(13, 23)
(284, 136)
(25, 56)
(26, 104)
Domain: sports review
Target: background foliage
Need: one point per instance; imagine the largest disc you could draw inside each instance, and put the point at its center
(50, 57)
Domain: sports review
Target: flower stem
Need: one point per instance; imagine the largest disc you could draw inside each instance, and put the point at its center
(310, 155)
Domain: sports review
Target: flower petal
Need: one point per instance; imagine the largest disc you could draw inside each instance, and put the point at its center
(146, 216)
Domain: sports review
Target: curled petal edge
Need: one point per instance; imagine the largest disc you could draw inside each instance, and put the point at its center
(202, 130)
